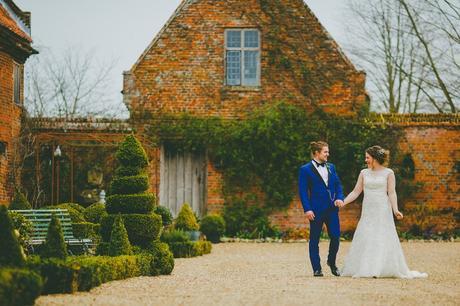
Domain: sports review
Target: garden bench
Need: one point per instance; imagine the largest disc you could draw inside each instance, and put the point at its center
(40, 219)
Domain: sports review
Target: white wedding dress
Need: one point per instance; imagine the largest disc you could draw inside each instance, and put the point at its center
(375, 250)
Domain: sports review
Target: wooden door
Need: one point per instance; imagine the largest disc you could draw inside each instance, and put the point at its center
(183, 180)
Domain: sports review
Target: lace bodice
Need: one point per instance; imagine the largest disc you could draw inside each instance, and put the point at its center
(375, 250)
(375, 181)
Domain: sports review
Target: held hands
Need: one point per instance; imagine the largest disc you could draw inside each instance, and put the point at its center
(339, 203)
(399, 215)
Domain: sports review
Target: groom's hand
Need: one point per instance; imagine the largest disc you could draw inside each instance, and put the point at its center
(310, 215)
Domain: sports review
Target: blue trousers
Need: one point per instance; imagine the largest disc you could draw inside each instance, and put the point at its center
(331, 219)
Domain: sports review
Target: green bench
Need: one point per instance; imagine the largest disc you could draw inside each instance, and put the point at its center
(40, 219)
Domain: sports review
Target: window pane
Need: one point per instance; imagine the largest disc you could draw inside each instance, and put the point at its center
(233, 67)
(251, 60)
(251, 39)
(233, 39)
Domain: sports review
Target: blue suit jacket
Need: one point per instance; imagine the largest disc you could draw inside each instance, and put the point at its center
(314, 193)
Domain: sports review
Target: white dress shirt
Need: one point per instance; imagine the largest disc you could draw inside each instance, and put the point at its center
(322, 171)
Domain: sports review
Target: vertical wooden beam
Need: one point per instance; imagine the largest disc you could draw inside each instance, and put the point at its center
(52, 174)
(71, 175)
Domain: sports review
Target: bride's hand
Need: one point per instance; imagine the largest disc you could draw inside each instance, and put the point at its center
(399, 215)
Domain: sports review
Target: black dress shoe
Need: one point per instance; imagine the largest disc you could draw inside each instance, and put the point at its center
(318, 273)
(334, 269)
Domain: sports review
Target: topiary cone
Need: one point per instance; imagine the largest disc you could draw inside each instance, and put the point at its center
(119, 243)
(54, 246)
(10, 251)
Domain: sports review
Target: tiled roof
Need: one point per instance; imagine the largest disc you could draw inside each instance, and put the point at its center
(7, 21)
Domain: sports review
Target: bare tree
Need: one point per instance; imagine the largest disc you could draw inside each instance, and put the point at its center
(408, 50)
(69, 85)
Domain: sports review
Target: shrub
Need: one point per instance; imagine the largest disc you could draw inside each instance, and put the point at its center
(119, 243)
(95, 212)
(190, 248)
(86, 230)
(128, 171)
(129, 184)
(131, 153)
(102, 248)
(165, 214)
(186, 219)
(19, 201)
(19, 287)
(164, 259)
(249, 221)
(213, 226)
(11, 253)
(94, 271)
(75, 211)
(174, 236)
(54, 246)
(24, 227)
(142, 229)
(59, 276)
(130, 203)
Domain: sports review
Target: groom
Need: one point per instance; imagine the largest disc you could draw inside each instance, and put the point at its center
(320, 192)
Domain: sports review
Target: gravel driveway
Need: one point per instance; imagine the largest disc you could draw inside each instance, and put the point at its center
(280, 274)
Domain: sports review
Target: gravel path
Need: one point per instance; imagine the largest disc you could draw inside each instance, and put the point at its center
(278, 274)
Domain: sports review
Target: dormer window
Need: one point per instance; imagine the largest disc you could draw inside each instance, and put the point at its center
(242, 59)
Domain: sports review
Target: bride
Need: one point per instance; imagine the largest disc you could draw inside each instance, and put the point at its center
(375, 250)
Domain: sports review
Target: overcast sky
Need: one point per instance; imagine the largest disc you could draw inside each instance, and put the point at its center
(120, 30)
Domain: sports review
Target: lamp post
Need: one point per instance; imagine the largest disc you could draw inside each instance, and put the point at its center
(57, 154)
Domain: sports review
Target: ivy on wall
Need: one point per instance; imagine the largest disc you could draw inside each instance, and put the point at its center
(265, 150)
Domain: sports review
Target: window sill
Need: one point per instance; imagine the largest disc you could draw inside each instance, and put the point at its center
(241, 88)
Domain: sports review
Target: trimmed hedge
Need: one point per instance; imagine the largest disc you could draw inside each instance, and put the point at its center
(174, 236)
(164, 259)
(19, 201)
(130, 203)
(11, 253)
(19, 287)
(75, 211)
(119, 243)
(86, 230)
(81, 273)
(95, 212)
(130, 153)
(213, 226)
(129, 184)
(142, 229)
(186, 219)
(24, 226)
(54, 246)
(165, 214)
(190, 248)
(128, 171)
(59, 276)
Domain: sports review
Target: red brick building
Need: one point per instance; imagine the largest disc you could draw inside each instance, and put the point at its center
(15, 48)
(223, 58)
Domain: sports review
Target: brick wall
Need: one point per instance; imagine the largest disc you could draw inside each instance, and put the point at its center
(435, 149)
(183, 68)
(10, 125)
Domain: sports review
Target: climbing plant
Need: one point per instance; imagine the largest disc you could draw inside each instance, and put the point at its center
(266, 149)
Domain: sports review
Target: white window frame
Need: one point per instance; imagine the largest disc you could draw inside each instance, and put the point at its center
(17, 81)
(242, 48)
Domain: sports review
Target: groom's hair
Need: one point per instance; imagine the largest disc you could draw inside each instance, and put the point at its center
(317, 146)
